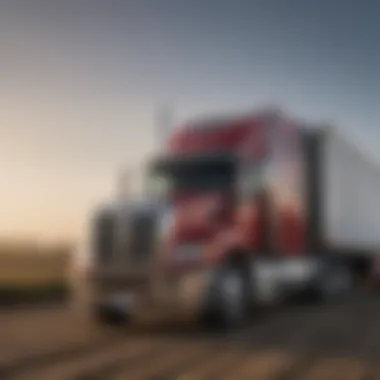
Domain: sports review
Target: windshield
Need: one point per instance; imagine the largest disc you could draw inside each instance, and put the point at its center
(189, 175)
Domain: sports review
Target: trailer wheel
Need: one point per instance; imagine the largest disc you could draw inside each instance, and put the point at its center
(335, 283)
(228, 302)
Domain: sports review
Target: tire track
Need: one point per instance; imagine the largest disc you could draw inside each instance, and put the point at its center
(32, 362)
(95, 365)
(101, 339)
(21, 336)
(216, 366)
(262, 366)
(168, 365)
(337, 369)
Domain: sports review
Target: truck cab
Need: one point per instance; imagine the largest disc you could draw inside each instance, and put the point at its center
(235, 233)
(241, 222)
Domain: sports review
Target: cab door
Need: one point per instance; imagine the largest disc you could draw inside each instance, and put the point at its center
(256, 208)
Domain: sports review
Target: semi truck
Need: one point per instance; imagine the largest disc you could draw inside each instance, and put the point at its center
(259, 208)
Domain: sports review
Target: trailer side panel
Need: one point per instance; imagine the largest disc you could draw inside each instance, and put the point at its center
(351, 186)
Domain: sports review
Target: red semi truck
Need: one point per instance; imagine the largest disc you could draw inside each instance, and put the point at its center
(260, 208)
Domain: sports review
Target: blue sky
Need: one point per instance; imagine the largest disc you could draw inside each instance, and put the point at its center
(81, 82)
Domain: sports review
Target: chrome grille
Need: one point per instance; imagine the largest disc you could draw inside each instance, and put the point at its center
(124, 237)
(141, 236)
(103, 239)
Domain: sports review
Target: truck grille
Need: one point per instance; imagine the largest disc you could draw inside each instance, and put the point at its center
(104, 238)
(129, 241)
(141, 237)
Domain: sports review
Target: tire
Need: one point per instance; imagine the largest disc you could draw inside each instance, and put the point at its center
(335, 284)
(228, 302)
(109, 316)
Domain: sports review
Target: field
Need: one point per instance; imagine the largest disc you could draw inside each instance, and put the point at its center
(30, 273)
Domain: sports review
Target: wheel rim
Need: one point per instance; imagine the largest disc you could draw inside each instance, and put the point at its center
(232, 294)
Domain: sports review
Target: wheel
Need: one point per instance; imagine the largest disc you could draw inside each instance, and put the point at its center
(110, 316)
(228, 302)
(334, 284)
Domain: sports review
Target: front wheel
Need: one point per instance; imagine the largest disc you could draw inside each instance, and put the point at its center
(228, 301)
(109, 314)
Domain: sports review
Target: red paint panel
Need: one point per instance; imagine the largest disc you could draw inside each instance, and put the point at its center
(231, 137)
(292, 232)
(248, 221)
(290, 194)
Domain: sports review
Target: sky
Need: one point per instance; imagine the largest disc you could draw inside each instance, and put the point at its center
(82, 82)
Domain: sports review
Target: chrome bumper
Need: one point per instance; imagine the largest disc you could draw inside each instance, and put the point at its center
(184, 294)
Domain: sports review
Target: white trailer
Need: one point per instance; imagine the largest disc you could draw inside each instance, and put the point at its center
(352, 188)
(344, 182)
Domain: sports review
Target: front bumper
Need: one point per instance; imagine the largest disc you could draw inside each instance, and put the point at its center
(184, 294)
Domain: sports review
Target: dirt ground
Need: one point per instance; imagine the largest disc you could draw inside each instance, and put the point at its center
(340, 341)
